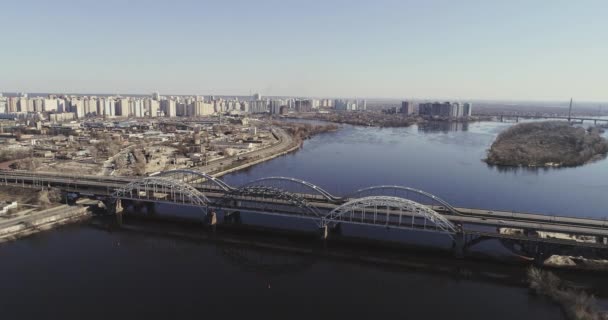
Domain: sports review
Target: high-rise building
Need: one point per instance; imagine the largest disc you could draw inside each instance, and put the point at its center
(445, 109)
(154, 108)
(107, 107)
(362, 105)
(122, 107)
(12, 105)
(467, 109)
(257, 96)
(156, 96)
(275, 106)
(23, 104)
(407, 108)
(50, 105)
(303, 105)
(136, 108)
(61, 105)
(90, 105)
(258, 106)
(201, 108)
(77, 107)
(340, 104)
(3, 104)
(168, 107)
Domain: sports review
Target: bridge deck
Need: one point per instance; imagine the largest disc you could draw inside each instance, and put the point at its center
(467, 217)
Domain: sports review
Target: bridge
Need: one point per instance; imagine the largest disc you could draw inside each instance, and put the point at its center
(577, 119)
(386, 206)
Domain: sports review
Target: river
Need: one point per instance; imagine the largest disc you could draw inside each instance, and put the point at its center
(83, 270)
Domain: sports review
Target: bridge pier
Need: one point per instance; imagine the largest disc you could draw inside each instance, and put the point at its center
(233, 217)
(458, 245)
(540, 255)
(211, 219)
(118, 210)
(337, 229)
(324, 232)
(150, 208)
(118, 207)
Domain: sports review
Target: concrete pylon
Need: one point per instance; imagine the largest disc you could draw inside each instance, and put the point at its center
(541, 255)
(119, 211)
(150, 207)
(211, 219)
(458, 245)
(324, 232)
(233, 217)
(118, 208)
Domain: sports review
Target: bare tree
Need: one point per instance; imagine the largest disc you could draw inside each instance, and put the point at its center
(93, 152)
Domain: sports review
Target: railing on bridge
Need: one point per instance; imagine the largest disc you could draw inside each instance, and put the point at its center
(387, 206)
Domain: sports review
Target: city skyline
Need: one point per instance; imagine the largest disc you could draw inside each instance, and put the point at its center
(516, 51)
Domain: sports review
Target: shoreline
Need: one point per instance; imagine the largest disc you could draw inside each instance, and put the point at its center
(41, 220)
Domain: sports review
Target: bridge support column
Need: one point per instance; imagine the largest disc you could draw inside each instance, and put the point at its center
(118, 210)
(324, 232)
(150, 208)
(337, 229)
(458, 245)
(233, 217)
(541, 255)
(211, 219)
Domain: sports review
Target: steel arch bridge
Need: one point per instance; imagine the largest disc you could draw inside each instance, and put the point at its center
(274, 200)
(386, 205)
(294, 185)
(160, 189)
(195, 178)
(390, 212)
(401, 192)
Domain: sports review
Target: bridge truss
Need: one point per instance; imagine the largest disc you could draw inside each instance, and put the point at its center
(387, 205)
(269, 199)
(390, 212)
(160, 189)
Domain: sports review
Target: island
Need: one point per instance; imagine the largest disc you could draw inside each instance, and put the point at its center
(547, 144)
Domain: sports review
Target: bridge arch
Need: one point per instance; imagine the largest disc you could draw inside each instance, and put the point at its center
(389, 211)
(273, 200)
(402, 192)
(193, 177)
(159, 189)
(293, 185)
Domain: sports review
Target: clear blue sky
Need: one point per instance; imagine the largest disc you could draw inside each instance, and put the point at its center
(515, 50)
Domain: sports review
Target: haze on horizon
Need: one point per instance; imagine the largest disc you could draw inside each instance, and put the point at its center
(515, 50)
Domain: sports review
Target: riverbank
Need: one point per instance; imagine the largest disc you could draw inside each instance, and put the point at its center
(546, 144)
(576, 304)
(25, 224)
(290, 138)
(382, 120)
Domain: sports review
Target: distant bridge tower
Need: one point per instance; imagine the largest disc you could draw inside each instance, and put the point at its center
(570, 111)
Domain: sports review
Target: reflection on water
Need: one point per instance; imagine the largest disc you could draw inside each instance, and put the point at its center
(264, 262)
(443, 162)
(116, 274)
(442, 126)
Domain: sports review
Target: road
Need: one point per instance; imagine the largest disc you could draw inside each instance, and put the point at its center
(285, 143)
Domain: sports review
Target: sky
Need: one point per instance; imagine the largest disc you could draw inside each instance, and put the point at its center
(495, 50)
